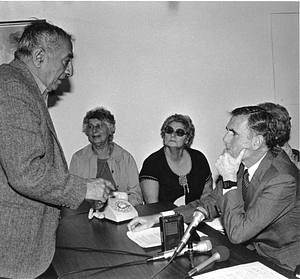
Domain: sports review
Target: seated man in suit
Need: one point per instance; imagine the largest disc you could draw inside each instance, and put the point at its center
(266, 213)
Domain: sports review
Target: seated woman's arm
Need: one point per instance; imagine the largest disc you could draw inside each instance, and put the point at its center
(133, 186)
(135, 195)
(150, 189)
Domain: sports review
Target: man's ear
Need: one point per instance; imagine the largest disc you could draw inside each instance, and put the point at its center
(257, 141)
(38, 57)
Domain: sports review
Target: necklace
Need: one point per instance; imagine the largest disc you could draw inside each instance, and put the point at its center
(182, 176)
(184, 183)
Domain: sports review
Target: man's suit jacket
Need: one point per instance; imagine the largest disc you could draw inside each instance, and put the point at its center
(34, 177)
(269, 216)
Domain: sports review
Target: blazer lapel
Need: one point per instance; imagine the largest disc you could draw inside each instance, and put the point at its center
(258, 177)
(38, 97)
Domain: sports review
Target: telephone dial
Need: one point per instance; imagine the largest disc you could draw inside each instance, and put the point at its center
(119, 210)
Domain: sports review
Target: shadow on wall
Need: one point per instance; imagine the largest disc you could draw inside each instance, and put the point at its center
(55, 96)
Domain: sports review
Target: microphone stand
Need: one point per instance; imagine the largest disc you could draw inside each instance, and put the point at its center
(191, 254)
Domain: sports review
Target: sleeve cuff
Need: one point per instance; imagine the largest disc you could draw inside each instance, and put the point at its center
(167, 213)
(227, 190)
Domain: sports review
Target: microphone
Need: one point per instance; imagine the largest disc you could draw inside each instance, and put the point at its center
(199, 215)
(201, 247)
(220, 254)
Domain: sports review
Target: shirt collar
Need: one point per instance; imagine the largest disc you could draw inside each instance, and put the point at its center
(43, 88)
(116, 154)
(253, 168)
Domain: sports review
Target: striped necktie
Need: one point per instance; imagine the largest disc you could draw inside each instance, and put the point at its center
(245, 183)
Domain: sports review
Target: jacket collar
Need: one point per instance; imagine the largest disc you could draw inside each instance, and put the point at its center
(264, 165)
(22, 67)
(116, 154)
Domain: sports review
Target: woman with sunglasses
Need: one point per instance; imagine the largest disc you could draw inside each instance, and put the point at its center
(176, 171)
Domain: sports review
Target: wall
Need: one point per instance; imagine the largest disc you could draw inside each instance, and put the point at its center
(147, 60)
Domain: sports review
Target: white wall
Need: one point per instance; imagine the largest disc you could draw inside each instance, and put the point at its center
(147, 60)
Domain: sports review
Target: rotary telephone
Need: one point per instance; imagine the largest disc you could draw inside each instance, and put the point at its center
(117, 209)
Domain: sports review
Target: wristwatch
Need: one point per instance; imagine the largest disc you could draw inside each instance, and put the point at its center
(229, 184)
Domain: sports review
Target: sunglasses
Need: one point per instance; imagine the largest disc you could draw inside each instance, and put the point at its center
(179, 132)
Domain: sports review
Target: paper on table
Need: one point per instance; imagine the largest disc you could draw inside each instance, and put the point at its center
(254, 270)
(146, 238)
(150, 237)
(216, 224)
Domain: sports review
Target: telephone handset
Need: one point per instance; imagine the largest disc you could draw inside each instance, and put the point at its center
(119, 210)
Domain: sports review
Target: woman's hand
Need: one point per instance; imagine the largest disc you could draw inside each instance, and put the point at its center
(141, 223)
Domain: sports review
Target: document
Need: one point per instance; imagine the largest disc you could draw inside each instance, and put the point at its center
(146, 238)
(150, 237)
(254, 270)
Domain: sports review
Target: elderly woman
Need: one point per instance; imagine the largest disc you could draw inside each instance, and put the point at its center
(103, 158)
(283, 119)
(176, 170)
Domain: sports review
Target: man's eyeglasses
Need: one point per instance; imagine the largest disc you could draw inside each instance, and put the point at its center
(179, 132)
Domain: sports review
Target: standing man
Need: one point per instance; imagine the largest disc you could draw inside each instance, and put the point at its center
(264, 212)
(34, 178)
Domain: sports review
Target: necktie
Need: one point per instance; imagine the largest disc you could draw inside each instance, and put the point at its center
(245, 183)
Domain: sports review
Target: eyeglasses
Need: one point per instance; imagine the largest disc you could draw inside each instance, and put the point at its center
(179, 132)
(97, 127)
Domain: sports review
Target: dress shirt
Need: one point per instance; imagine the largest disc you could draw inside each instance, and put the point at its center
(253, 168)
(251, 172)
